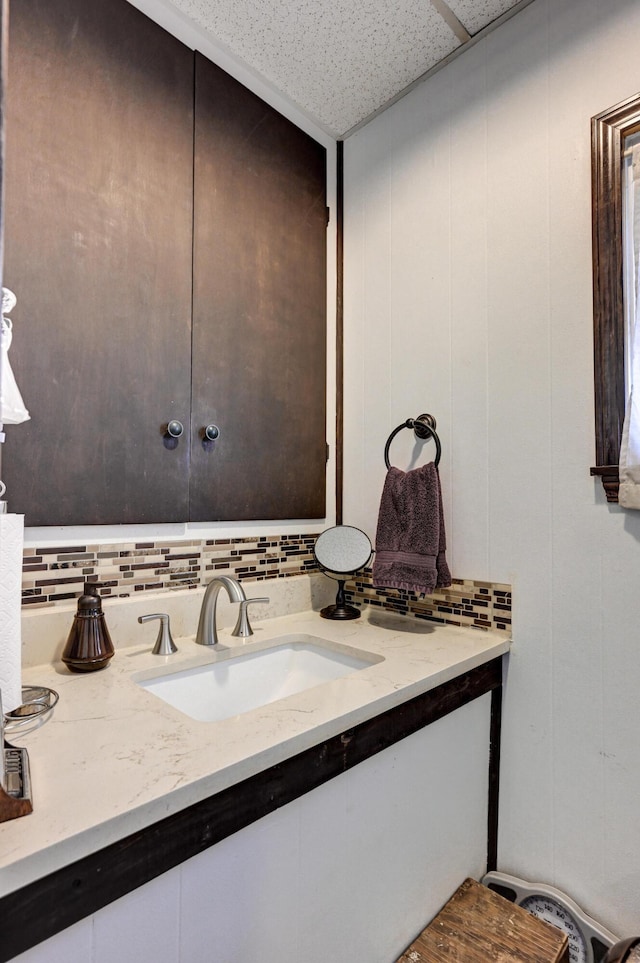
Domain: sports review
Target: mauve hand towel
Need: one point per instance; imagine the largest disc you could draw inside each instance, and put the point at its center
(410, 539)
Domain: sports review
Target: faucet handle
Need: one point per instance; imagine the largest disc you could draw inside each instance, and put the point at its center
(243, 628)
(164, 643)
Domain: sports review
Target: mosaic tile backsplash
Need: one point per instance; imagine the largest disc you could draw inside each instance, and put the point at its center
(484, 605)
(55, 575)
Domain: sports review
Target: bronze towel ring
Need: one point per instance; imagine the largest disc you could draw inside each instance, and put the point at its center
(424, 426)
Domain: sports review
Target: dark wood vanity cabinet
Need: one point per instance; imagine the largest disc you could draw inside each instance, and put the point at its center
(165, 235)
(99, 114)
(259, 308)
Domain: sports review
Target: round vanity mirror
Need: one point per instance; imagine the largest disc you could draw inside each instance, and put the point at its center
(341, 551)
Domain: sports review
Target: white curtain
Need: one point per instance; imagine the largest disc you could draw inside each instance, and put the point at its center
(629, 494)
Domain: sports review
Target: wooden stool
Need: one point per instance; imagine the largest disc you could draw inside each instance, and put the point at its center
(479, 926)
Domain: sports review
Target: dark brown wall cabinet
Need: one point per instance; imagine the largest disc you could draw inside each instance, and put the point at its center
(165, 235)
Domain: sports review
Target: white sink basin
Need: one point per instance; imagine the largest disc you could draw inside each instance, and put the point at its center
(233, 684)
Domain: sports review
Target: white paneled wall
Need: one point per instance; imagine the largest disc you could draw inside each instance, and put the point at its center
(352, 870)
(468, 295)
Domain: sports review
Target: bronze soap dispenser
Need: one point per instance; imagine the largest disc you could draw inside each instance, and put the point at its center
(89, 646)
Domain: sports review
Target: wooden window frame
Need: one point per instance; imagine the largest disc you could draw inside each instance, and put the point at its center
(608, 132)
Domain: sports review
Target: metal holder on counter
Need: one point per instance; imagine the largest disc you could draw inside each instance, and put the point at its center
(15, 779)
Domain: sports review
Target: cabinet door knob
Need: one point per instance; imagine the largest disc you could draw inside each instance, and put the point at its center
(211, 432)
(175, 429)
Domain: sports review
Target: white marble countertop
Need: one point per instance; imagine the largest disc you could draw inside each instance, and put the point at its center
(114, 758)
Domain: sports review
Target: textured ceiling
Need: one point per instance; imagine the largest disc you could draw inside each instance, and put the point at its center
(343, 60)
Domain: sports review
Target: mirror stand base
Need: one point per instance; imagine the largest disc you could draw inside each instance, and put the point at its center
(340, 612)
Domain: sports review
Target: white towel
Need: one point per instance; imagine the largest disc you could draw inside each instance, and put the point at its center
(12, 409)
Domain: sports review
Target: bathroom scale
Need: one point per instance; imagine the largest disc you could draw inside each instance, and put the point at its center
(588, 941)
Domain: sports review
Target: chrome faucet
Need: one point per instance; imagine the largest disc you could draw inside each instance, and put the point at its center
(207, 633)
(243, 628)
